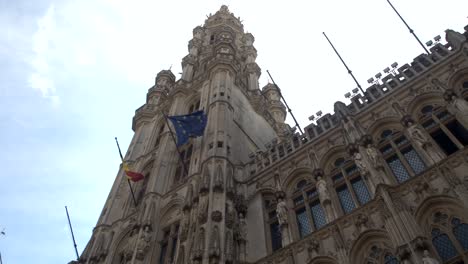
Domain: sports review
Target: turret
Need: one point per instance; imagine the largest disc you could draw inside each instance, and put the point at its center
(275, 106)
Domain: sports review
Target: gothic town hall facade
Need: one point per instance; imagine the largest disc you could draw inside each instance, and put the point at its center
(384, 179)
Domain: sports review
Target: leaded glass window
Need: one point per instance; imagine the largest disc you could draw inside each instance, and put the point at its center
(186, 156)
(444, 128)
(351, 189)
(390, 259)
(398, 169)
(303, 222)
(275, 236)
(272, 222)
(400, 156)
(414, 160)
(443, 245)
(346, 200)
(317, 214)
(460, 231)
(309, 212)
(360, 190)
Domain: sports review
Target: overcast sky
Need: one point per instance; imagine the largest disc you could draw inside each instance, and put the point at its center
(73, 72)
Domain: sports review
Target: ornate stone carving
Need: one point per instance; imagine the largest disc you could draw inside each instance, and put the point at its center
(230, 188)
(185, 225)
(421, 140)
(143, 243)
(229, 247)
(360, 163)
(240, 229)
(214, 252)
(205, 184)
(282, 211)
(203, 210)
(313, 248)
(455, 39)
(457, 106)
(216, 216)
(427, 259)
(322, 189)
(199, 245)
(188, 197)
(218, 185)
(230, 216)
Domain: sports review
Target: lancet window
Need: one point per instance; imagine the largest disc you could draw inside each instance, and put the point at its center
(444, 128)
(351, 189)
(184, 159)
(194, 107)
(169, 244)
(309, 212)
(274, 229)
(400, 155)
(449, 237)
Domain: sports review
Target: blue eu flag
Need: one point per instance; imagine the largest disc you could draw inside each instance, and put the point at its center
(191, 125)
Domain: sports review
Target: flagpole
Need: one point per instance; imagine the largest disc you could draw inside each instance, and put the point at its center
(287, 106)
(410, 29)
(73, 236)
(175, 143)
(128, 181)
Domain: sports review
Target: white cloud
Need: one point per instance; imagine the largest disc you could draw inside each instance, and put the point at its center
(40, 78)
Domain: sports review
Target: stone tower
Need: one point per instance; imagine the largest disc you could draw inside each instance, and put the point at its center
(194, 214)
(382, 180)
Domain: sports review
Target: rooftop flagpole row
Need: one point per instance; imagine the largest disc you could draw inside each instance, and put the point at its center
(346, 66)
(410, 29)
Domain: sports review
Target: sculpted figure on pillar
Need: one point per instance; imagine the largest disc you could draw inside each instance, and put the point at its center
(420, 139)
(374, 158)
(457, 106)
(360, 163)
(321, 185)
(427, 259)
(144, 243)
(352, 129)
(455, 39)
(282, 211)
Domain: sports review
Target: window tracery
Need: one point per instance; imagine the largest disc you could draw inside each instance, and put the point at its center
(310, 215)
(400, 155)
(168, 244)
(351, 189)
(274, 230)
(444, 128)
(449, 236)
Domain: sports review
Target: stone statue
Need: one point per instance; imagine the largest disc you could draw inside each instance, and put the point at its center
(423, 142)
(360, 163)
(185, 226)
(219, 179)
(455, 39)
(203, 210)
(374, 157)
(321, 185)
(426, 259)
(282, 212)
(458, 107)
(229, 248)
(214, 243)
(143, 243)
(242, 235)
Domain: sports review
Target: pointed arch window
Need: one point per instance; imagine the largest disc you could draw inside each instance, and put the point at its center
(460, 231)
(400, 155)
(351, 189)
(444, 128)
(194, 107)
(272, 223)
(168, 244)
(443, 245)
(309, 212)
(390, 259)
